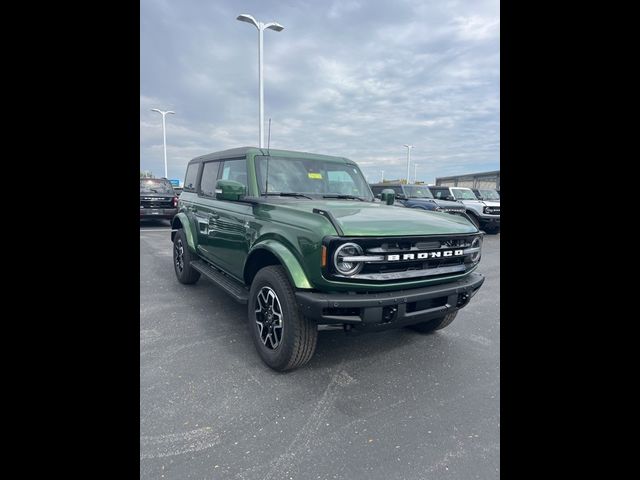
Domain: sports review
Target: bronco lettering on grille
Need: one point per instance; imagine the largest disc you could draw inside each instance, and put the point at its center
(424, 255)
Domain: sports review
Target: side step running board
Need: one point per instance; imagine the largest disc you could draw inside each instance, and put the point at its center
(230, 285)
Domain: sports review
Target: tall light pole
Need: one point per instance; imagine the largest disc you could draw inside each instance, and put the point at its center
(381, 176)
(409, 147)
(164, 135)
(261, 28)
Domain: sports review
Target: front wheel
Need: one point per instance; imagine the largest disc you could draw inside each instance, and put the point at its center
(435, 324)
(285, 339)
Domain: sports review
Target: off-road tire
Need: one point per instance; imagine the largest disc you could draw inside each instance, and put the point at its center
(299, 334)
(188, 275)
(434, 324)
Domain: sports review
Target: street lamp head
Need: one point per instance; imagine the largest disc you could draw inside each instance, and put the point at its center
(274, 26)
(155, 110)
(249, 19)
(171, 112)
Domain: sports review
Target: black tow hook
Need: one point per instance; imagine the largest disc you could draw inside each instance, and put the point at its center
(389, 314)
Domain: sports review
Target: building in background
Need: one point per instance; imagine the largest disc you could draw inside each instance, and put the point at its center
(472, 180)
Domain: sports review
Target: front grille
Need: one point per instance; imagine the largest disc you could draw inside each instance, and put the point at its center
(404, 258)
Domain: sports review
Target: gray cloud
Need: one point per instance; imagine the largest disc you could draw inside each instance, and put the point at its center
(348, 77)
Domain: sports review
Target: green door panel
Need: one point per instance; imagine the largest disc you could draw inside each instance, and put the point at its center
(229, 234)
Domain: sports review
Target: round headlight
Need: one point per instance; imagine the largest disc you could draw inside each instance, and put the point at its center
(477, 243)
(345, 267)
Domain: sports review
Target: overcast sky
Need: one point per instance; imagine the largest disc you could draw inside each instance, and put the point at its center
(353, 78)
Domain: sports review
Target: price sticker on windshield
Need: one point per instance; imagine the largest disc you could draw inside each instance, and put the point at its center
(317, 176)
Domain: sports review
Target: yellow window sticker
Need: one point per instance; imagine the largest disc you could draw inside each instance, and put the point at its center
(317, 176)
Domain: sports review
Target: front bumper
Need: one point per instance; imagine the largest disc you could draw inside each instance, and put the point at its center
(492, 220)
(389, 309)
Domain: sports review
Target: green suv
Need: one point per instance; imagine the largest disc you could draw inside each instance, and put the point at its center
(300, 239)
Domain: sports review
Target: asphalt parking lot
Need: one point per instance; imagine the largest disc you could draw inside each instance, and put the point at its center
(388, 405)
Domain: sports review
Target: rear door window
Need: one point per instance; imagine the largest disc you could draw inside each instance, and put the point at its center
(191, 177)
(209, 178)
(440, 192)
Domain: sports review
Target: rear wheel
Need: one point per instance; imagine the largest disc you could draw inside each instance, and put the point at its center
(285, 339)
(182, 257)
(435, 324)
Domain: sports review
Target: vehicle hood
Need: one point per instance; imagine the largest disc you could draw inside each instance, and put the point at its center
(488, 203)
(378, 219)
(448, 204)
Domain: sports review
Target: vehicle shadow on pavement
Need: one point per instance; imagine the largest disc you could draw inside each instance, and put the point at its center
(337, 347)
(155, 223)
(333, 347)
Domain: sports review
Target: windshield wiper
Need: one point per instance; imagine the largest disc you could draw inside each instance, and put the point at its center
(348, 197)
(289, 194)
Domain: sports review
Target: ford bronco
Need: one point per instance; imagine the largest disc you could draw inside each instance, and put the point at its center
(299, 239)
(483, 213)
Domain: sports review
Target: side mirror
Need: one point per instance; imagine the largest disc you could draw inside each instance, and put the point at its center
(230, 190)
(388, 196)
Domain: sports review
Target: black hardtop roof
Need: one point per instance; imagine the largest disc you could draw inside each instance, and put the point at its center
(243, 151)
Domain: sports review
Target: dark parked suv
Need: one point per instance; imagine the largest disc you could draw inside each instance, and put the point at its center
(298, 238)
(157, 199)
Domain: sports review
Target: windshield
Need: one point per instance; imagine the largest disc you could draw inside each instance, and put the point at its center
(311, 177)
(489, 194)
(152, 185)
(463, 194)
(417, 191)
